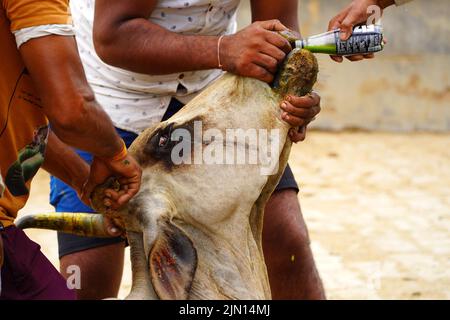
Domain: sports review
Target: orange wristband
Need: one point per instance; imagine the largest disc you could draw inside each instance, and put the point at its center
(119, 156)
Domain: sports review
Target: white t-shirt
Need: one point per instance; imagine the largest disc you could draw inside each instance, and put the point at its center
(135, 101)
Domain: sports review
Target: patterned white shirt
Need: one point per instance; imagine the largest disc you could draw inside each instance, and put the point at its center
(135, 101)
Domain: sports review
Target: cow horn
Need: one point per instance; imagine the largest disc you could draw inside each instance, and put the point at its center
(82, 224)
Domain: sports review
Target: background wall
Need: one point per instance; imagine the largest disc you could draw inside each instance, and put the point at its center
(407, 86)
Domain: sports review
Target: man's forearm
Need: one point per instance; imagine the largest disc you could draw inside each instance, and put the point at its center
(90, 130)
(67, 99)
(62, 162)
(124, 37)
(141, 46)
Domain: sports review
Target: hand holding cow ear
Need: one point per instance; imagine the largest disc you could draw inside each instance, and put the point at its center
(299, 112)
(126, 170)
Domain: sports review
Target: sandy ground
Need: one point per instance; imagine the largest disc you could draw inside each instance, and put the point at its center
(378, 210)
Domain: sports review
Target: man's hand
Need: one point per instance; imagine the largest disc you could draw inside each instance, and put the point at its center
(299, 112)
(126, 170)
(255, 51)
(355, 13)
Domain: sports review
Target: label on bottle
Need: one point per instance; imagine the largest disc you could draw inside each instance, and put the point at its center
(363, 40)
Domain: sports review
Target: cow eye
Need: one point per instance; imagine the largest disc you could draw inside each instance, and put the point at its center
(160, 144)
(163, 140)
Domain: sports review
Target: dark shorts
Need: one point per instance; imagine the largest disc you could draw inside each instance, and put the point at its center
(26, 273)
(65, 199)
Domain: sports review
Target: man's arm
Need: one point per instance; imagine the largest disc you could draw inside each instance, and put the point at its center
(61, 161)
(68, 101)
(75, 116)
(124, 37)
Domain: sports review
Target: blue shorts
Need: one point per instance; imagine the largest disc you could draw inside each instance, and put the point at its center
(65, 199)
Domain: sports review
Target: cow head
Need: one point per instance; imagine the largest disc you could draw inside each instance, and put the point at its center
(207, 173)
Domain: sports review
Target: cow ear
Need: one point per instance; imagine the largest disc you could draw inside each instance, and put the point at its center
(173, 262)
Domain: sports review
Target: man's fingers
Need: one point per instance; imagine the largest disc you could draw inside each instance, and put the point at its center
(273, 51)
(335, 23)
(338, 59)
(297, 134)
(300, 110)
(346, 31)
(267, 62)
(308, 101)
(273, 25)
(128, 191)
(123, 181)
(278, 41)
(124, 198)
(354, 17)
(307, 114)
(292, 120)
(347, 24)
(302, 132)
(112, 194)
(117, 199)
(355, 58)
(87, 191)
(303, 113)
(260, 73)
(111, 198)
(315, 111)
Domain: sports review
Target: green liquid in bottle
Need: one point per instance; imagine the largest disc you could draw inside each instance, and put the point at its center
(364, 40)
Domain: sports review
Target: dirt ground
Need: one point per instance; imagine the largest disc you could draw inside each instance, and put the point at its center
(378, 210)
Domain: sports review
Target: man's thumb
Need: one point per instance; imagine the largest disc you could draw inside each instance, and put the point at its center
(346, 32)
(273, 25)
(350, 20)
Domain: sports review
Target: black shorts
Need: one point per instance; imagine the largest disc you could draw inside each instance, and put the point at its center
(65, 199)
